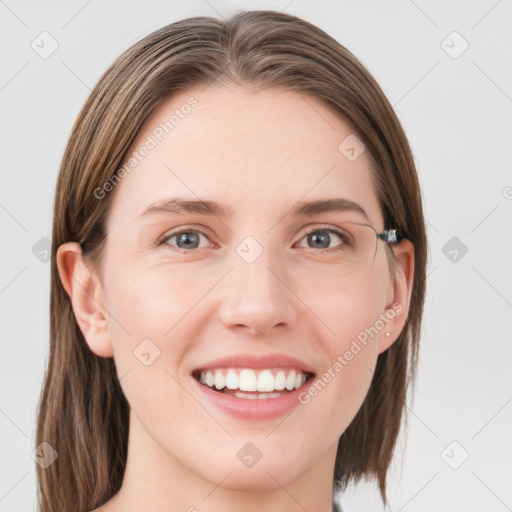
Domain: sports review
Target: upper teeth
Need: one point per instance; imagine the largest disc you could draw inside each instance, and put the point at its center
(250, 380)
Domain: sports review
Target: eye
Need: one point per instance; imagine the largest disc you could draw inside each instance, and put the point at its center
(186, 240)
(322, 238)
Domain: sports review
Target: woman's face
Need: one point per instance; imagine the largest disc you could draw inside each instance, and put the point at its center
(248, 285)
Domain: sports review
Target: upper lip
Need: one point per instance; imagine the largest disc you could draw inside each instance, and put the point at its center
(256, 362)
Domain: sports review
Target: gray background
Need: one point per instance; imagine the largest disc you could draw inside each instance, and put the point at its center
(456, 110)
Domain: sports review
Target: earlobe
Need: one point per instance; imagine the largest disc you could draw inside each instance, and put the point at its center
(398, 309)
(86, 295)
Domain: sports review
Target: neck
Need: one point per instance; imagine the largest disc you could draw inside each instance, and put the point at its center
(156, 481)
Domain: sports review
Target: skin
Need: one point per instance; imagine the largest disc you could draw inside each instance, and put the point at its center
(260, 153)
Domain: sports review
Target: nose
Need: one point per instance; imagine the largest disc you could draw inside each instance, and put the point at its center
(257, 298)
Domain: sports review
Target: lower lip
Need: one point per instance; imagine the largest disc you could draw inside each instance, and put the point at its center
(254, 409)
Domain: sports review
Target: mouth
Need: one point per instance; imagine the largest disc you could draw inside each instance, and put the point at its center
(253, 384)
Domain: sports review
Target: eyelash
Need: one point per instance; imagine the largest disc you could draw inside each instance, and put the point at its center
(342, 236)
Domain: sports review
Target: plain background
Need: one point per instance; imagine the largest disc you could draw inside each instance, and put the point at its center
(456, 109)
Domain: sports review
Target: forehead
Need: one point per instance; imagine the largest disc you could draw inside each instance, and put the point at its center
(228, 144)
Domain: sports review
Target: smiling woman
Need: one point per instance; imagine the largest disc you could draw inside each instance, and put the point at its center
(240, 309)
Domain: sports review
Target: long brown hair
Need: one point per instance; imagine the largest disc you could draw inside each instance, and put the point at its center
(83, 413)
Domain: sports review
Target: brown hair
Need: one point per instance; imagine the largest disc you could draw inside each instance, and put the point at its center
(83, 413)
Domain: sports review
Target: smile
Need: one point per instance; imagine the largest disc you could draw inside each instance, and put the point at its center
(253, 384)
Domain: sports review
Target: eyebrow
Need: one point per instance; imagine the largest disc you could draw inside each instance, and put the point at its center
(301, 209)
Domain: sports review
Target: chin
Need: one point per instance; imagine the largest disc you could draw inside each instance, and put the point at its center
(257, 478)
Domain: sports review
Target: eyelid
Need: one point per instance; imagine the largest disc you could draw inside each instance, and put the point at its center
(310, 228)
(340, 232)
(315, 226)
(183, 229)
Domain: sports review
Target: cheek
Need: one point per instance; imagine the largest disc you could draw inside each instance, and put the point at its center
(157, 315)
(152, 312)
(351, 313)
(346, 305)
(153, 301)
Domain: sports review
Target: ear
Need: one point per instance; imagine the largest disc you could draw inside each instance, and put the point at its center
(399, 297)
(86, 295)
